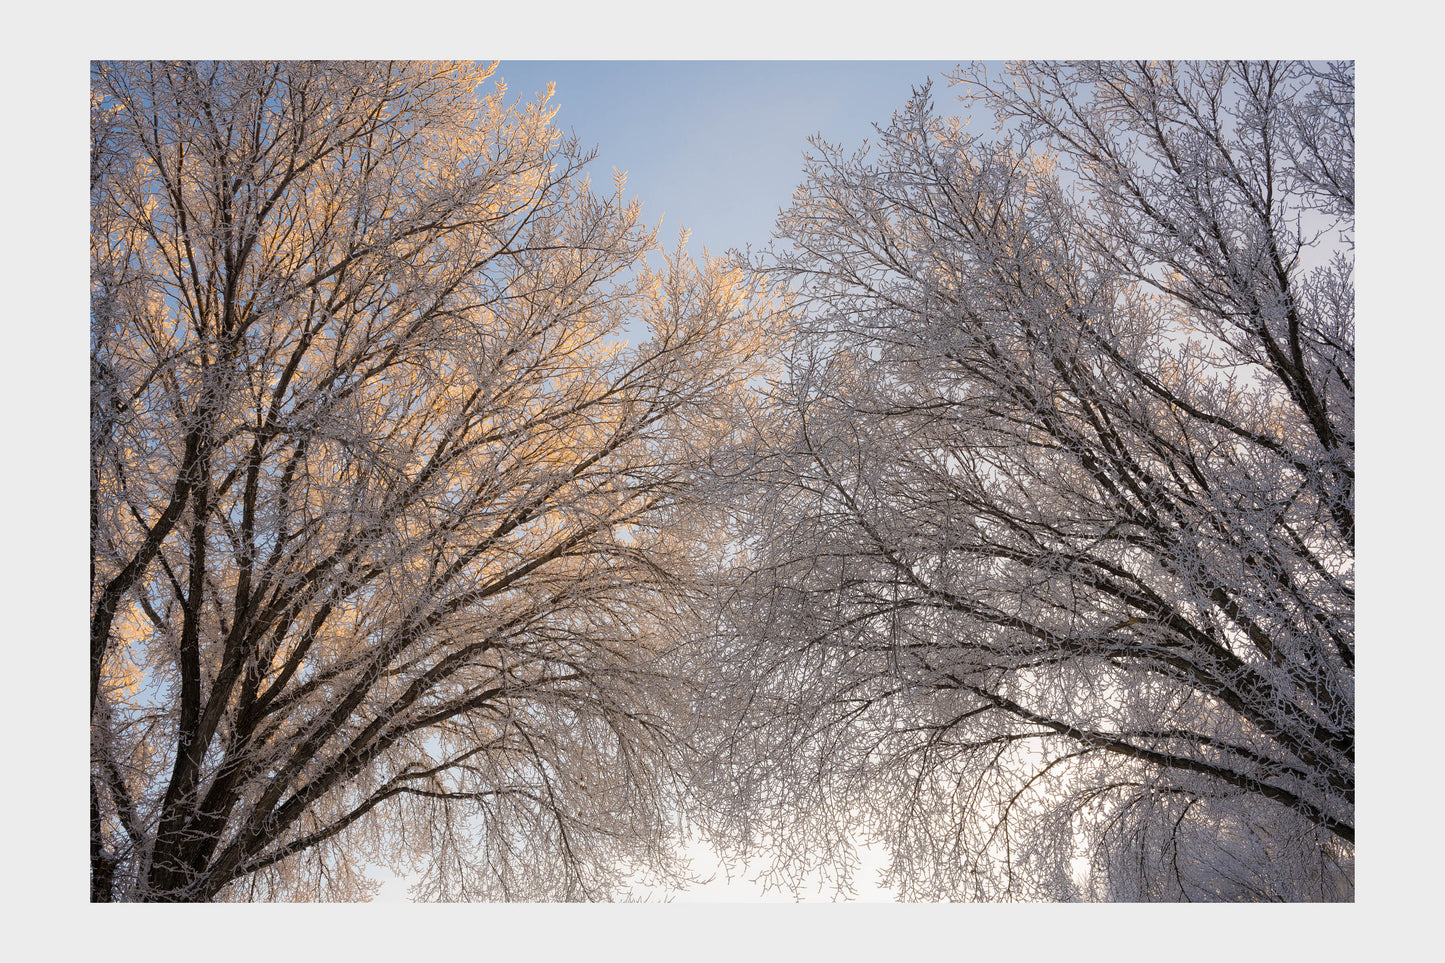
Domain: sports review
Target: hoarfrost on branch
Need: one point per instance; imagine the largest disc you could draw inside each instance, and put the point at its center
(1049, 573)
(388, 527)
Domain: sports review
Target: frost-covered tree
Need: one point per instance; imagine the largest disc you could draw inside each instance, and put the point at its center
(389, 527)
(1047, 570)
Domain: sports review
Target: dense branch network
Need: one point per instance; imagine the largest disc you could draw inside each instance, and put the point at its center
(388, 524)
(1034, 562)
(1050, 582)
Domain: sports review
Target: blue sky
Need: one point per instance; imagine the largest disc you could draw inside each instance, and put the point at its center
(717, 146)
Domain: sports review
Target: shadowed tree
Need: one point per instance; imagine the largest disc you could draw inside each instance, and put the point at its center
(389, 527)
(1047, 580)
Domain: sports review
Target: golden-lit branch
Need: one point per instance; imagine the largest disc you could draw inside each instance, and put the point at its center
(371, 456)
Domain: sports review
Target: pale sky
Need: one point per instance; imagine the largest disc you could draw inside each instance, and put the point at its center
(717, 146)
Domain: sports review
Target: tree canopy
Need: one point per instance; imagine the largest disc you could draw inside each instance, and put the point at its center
(1049, 580)
(1001, 515)
(387, 522)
